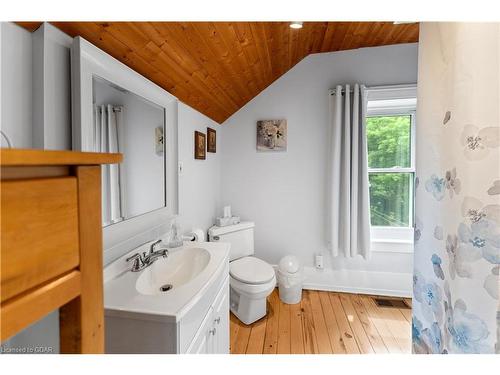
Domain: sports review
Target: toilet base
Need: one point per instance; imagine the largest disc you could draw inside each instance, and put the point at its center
(248, 310)
(250, 307)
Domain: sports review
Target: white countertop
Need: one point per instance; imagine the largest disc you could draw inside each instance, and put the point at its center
(121, 297)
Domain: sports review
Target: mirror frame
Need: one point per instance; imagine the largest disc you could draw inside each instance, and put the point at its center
(88, 61)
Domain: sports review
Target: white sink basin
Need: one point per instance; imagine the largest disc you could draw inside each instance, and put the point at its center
(192, 270)
(166, 274)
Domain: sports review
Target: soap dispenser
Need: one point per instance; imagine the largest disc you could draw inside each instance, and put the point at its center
(175, 239)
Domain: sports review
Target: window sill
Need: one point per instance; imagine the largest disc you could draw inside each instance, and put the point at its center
(384, 246)
(392, 240)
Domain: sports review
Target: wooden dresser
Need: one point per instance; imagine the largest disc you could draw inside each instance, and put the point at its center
(51, 244)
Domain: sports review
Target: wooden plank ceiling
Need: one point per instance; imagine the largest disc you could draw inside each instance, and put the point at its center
(217, 67)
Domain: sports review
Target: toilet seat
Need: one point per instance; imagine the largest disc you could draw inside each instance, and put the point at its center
(251, 270)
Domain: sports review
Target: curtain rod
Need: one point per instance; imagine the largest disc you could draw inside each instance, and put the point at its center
(334, 91)
(115, 108)
(404, 86)
(351, 89)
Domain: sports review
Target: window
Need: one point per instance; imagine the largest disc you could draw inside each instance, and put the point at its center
(390, 125)
(390, 168)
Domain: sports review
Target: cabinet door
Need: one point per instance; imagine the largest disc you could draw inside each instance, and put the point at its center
(203, 342)
(221, 321)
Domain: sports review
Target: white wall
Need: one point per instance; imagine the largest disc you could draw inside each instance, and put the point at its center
(16, 85)
(36, 87)
(284, 192)
(51, 88)
(199, 181)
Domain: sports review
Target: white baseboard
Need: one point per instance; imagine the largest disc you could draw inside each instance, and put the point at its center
(361, 282)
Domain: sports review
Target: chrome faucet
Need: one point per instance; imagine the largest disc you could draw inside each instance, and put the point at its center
(142, 261)
(154, 255)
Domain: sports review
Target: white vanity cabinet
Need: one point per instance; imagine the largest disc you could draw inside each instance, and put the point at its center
(213, 335)
(189, 318)
(221, 321)
(203, 329)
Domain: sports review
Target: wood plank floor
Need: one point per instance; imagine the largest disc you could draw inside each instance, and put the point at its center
(325, 323)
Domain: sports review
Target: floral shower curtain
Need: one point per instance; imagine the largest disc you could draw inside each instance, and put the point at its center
(457, 234)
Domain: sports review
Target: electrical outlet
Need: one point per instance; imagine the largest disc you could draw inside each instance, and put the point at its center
(318, 261)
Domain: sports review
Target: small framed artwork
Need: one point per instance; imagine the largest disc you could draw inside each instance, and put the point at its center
(211, 140)
(159, 141)
(199, 145)
(271, 135)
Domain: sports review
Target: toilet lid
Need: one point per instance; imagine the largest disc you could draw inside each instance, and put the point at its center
(251, 270)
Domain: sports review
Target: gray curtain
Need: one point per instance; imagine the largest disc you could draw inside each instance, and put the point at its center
(348, 229)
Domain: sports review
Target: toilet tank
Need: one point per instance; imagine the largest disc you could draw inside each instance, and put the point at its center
(240, 236)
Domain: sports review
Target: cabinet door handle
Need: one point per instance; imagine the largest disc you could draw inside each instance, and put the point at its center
(212, 331)
(217, 320)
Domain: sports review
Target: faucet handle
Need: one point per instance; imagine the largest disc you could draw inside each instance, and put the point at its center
(133, 257)
(153, 245)
(137, 261)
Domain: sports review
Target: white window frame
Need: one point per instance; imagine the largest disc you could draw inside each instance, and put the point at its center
(397, 100)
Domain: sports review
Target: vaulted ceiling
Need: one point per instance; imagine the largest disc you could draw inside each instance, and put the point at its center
(217, 67)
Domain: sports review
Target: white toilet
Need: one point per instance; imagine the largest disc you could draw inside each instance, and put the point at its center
(250, 278)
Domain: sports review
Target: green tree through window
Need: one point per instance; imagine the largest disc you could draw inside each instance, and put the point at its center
(389, 149)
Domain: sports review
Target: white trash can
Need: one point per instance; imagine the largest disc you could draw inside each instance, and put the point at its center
(290, 280)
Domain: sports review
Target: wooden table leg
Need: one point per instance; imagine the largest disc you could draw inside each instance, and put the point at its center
(82, 320)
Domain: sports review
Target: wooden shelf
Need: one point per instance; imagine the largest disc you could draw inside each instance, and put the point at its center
(24, 157)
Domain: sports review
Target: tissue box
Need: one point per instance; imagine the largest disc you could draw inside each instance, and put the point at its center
(225, 221)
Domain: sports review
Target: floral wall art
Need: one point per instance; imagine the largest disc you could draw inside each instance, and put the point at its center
(457, 234)
(271, 135)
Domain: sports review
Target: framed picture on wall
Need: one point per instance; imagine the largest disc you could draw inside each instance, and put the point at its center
(199, 145)
(271, 135)
(211, 140)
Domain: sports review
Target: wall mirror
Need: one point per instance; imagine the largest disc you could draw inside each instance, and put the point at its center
(127, 123)
(115, 109)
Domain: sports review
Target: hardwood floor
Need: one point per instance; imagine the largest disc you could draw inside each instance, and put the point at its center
(325, 323)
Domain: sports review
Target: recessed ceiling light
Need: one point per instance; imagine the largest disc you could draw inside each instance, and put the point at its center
(296, 25)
